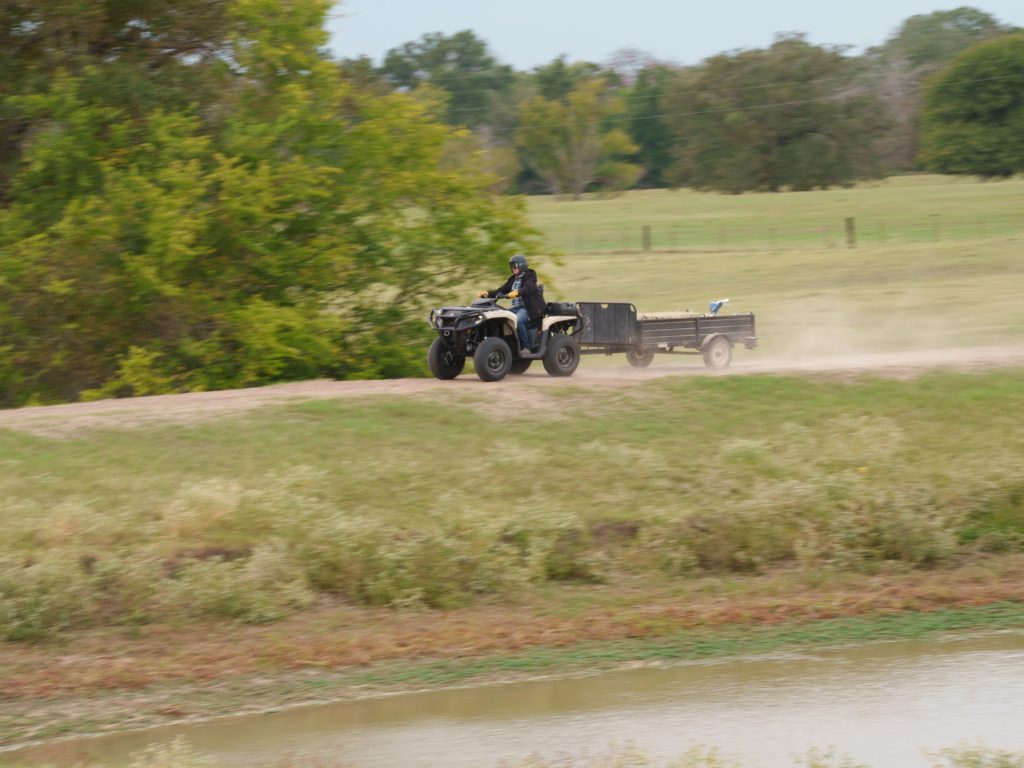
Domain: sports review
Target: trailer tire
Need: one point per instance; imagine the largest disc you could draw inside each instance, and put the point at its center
(444, 363)
(641, 357)
(562, 357)
(492, 359)
(718, 353)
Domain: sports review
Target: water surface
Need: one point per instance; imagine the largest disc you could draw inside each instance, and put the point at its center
(886, 705)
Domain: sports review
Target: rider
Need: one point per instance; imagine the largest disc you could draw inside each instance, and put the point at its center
(527, 299)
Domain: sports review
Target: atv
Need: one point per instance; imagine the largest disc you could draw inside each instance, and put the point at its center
(486, 332)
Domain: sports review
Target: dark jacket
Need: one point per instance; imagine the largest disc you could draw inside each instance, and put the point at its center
(529, 291)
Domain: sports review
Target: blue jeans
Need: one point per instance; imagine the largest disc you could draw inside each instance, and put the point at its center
(522, 318)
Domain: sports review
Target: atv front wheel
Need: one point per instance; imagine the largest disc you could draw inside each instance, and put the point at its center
(562, 357)
(444, 363)
(492, 359)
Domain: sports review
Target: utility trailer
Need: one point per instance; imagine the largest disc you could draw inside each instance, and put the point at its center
(608, 328)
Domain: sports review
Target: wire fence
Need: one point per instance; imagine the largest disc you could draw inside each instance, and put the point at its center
(715, 235)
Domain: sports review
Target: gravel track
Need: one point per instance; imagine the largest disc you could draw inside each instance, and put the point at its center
(185, 408)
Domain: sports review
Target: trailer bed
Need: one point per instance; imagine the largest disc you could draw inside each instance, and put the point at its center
(611, 327)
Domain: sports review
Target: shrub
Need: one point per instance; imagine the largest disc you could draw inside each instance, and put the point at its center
(40, 596)
(966, 756)
(257, 589)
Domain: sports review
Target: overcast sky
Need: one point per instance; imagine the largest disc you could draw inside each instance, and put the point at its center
(528, 33)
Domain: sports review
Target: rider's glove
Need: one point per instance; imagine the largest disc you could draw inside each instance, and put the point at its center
(513, 294)
(482, 294)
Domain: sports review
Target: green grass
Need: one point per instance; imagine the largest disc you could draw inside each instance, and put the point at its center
(811, 303)
(413, 501)
(909, 209)
(916, 288)
(695, 645)
(406, 501)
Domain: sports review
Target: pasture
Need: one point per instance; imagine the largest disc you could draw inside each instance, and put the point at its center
(536, 512)
(434, 499)
(920, 287)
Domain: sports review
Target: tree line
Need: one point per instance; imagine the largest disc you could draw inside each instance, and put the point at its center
(792, 116)
(196, 195)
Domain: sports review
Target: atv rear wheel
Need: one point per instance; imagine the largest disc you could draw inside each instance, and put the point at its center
(444, 362)
(641, 357)
(492, 359)
(562, 357)
(718, 353)
(519, 366)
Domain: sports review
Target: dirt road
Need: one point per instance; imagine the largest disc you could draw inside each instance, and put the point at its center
(199, 405)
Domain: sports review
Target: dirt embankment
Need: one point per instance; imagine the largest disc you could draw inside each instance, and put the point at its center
(162, 674)
(196, 406)
(113, 679)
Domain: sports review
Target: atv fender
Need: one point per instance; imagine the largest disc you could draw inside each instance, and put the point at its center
(553, 320)
(507, 319)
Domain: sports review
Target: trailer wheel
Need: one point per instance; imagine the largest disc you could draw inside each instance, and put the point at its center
(640, 358)
(718, 353)
(519, 366)
(492, 359)
(444, 363)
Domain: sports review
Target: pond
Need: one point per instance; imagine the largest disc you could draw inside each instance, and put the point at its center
(887, 705)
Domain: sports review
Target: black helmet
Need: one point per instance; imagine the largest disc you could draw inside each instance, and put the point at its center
(518, 261)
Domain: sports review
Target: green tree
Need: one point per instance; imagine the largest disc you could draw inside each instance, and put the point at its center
(786, 117)
(933, 39)
(570, 144)
(897, 69)
(973, 119)
(647, 124)
(140, 55)
(298, 232)
(458, 64)
(557, 79)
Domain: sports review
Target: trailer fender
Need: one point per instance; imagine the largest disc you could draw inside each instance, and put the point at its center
(711, 337)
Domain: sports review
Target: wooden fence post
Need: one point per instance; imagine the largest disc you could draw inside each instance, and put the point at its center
(647, 237)
(851, 233)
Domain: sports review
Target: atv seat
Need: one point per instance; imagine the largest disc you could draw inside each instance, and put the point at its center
(533, 330)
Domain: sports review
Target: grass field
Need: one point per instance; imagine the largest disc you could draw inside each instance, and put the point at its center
(408, 501)
(963, 288)
(399, 502)
(907, 209)
(574, 506)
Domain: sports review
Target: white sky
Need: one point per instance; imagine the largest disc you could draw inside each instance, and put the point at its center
(529, 33)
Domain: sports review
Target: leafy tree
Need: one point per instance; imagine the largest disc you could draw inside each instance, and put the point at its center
(570, 145)
(362, 73)
(557, 79)
(140, 55)
(897, 69)
(647, 124)
(460, 65)
(291, 224)
(973, 120)
(934, 39)
(787, 117)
